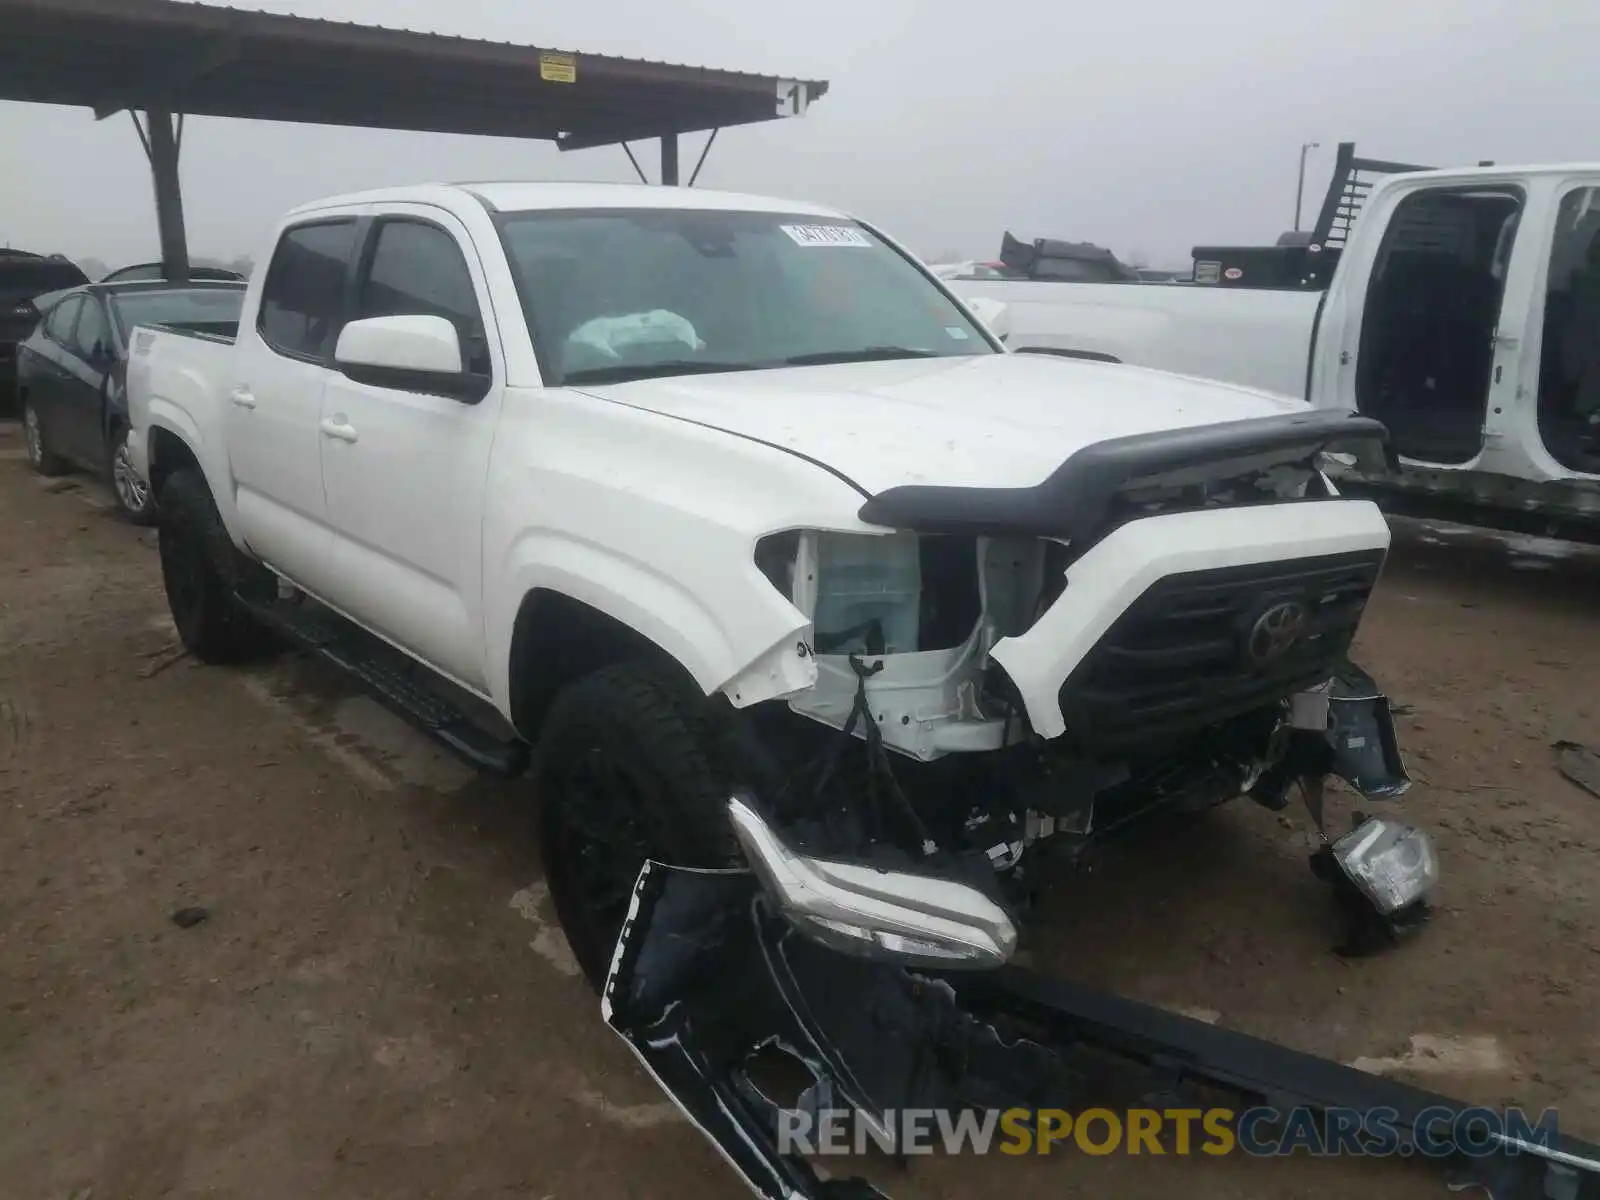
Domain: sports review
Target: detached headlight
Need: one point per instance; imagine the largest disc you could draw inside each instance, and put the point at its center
(1393, 865)
(892, 916)
(1381, 873)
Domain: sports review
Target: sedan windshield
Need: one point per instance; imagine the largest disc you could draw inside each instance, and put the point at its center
(617, 294)
(211, 310)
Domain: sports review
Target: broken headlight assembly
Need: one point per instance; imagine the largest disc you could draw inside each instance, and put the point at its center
(1383, 873)
(892, 916)
(1393, 865)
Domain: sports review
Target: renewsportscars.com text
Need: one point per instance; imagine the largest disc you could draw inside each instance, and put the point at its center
(1258, 1132)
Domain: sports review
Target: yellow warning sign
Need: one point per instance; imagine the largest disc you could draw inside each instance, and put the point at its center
(558, 68)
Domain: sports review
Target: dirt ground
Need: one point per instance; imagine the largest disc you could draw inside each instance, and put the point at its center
(379, 1003)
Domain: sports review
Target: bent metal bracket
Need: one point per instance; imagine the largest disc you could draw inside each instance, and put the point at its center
(706, 976)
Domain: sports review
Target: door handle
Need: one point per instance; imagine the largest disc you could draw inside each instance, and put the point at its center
(335, 428)
(242, 398)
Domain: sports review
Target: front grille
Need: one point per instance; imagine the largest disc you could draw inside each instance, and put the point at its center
(1180, 658)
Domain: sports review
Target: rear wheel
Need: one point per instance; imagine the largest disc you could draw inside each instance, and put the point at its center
(630, 766)
(132, 493)
(203, 574)
(40, 457)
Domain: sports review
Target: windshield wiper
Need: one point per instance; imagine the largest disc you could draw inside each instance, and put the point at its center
(865, 354)
(624, 373)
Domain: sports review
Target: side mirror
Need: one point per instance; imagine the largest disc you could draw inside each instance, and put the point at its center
(410, 353)
(995, 314)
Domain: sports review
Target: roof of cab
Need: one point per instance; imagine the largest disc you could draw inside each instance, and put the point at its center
(508, 196)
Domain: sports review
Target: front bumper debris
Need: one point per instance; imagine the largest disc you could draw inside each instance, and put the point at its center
(707, 977)
(910, 918)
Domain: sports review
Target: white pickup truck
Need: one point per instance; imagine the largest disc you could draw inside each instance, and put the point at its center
(1464, 314)
(772, 551)
(770, 548)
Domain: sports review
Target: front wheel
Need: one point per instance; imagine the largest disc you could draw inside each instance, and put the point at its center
(202, 572)
(630, 767)
(133, 493)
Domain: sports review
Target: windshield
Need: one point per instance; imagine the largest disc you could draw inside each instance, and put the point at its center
(209, 309)
(615, 294)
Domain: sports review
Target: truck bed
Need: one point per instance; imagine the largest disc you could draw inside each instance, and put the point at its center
(1255, 338)
(211, 331)
(186, 368)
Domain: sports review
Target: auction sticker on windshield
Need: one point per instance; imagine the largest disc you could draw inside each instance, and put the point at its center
(826, 235)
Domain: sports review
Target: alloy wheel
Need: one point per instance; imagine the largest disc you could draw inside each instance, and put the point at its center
(32, 434)
(132, 491)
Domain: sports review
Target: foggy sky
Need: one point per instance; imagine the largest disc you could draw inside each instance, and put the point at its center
(1145, 125)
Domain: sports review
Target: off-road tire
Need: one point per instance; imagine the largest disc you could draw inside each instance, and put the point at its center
(41, 458)
(643, 723)
(203, 573)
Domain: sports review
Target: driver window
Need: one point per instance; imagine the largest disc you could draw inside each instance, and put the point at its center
(417, 269)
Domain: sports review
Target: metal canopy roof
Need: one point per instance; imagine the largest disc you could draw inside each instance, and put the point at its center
(223, 62)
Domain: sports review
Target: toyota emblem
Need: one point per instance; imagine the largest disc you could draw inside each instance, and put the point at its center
(1276, 631)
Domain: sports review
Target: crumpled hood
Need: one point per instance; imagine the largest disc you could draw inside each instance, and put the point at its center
(1002, 420)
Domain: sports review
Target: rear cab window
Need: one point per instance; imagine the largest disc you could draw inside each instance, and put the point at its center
(303, 296)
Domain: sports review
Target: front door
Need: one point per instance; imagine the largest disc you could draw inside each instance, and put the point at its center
(405, 472)
(273, 402)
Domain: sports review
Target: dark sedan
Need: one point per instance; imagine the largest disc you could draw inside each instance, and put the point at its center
(24, 278)
(72, 369)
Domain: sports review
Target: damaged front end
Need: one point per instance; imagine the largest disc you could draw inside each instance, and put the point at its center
(712, 980)
(1005, 680)
(1159, 627)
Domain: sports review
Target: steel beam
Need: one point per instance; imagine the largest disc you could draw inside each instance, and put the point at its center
(161, 144)
(669, 160)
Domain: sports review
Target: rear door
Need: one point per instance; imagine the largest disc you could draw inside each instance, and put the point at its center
(274, 401)
(405, 471)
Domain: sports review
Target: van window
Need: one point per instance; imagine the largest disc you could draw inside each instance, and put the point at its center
(302, 301)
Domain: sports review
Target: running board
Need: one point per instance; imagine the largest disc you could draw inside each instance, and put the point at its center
(390, 677)
(706, 979)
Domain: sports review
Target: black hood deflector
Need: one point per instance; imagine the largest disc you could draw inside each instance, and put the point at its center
(1076, 500)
